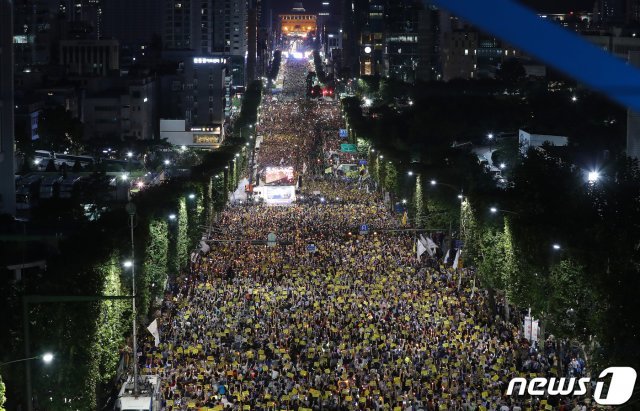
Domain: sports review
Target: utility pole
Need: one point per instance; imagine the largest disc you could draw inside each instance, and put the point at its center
(131, 209)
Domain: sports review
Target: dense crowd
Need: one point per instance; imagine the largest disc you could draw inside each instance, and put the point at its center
(353, 322)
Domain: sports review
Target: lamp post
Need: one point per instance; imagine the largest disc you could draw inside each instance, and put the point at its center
(46, 358)
(495, 210)
(461, 197)
(131, 210)
(490, 137)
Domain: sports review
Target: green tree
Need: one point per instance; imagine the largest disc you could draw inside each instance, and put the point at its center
(59, 131)
(3, 398)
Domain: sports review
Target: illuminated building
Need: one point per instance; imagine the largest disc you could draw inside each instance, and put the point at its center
(298, 22)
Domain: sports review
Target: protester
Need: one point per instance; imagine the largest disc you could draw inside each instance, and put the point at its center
(354, 322)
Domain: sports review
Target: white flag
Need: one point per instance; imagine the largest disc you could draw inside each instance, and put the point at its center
(457, 259)
(446, 257)
(421, 248)
(153, 329)
(431, 246)
(425, 244)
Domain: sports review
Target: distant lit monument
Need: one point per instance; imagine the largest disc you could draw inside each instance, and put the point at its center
(298, 22)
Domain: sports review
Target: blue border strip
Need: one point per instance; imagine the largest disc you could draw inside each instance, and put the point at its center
(553, 45)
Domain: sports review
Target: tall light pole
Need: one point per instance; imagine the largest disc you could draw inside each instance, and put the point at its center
(131, 210)
(46, 358)
(461, 197)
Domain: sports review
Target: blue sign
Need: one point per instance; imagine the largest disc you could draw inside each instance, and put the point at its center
(362, 162)
(458, 244)
(311, 248)
(344, 133)
(400, 208)
(364, 229)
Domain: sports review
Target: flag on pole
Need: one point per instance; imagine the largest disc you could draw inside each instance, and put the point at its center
(431, 246)
(425, 244)
(456, 260)
(446, 257)
(153, 329)
(421, 248)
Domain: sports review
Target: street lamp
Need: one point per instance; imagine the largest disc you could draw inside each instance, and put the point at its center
(192, 196)
(167, 162)
(574, 98)
(556, 246)
(46, 358)
(129, 154)
(490, 137)
(495, 210)
(172, 217)
(131, 210)
(503, 166)
(410, 173)
(593, 177)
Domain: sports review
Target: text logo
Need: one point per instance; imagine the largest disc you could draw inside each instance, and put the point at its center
(623, 380)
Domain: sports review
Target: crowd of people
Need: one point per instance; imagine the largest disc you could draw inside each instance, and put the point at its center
(326, 317)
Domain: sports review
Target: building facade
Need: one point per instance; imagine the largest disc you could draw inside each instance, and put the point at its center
(90, 57)
(7, 161)
(127, 111)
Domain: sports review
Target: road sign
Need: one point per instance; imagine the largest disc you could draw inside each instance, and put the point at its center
(344, 133)
(311, 248)
(364, 229)
(348, 148)
(271, 240)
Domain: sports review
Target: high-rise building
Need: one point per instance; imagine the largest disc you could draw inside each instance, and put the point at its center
(410, 47)
(633, 118)
(230, 36)
(188, 25)
(230, 26)
(37, 27)
(7, 180)
(354, 14)
(609, 12)
(136, 24)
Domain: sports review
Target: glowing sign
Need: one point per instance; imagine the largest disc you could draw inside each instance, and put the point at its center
(280, 194)
(208, 60)
(279, 175)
